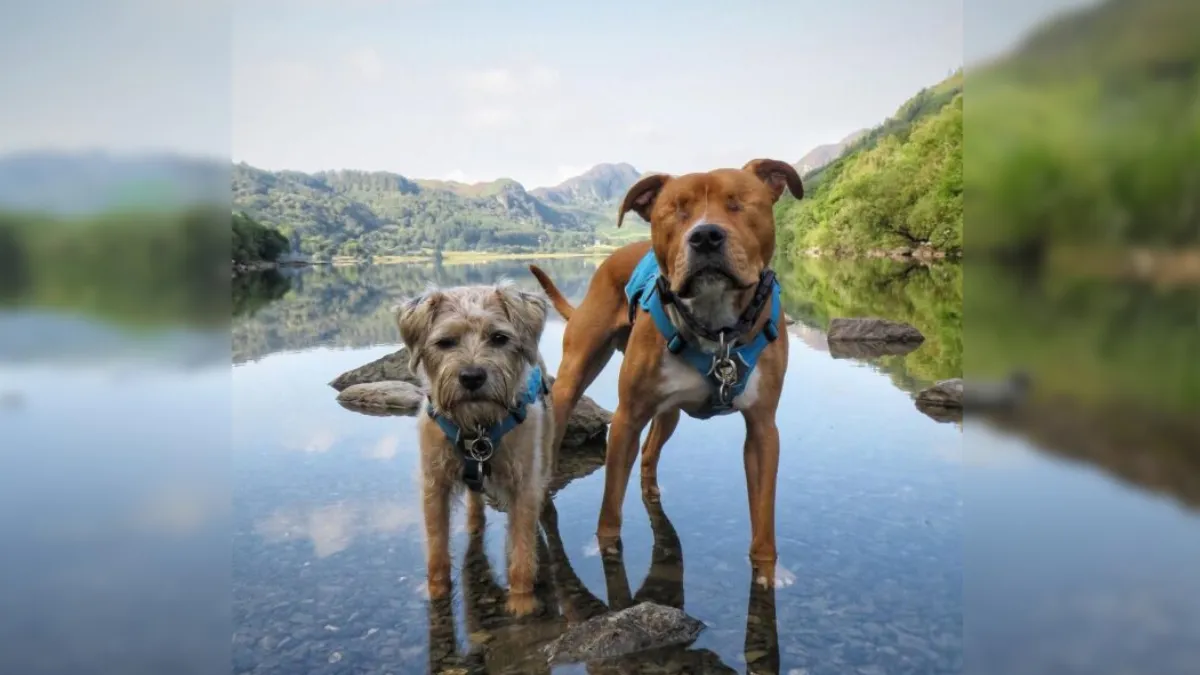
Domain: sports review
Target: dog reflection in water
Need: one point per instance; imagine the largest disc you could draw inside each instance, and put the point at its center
(499, 643)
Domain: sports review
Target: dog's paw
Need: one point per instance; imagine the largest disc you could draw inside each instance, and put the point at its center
(609, 545)
(436, 589)
(521, 604)
(773, 576)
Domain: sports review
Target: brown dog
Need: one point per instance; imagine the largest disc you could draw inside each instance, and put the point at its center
(712, 239)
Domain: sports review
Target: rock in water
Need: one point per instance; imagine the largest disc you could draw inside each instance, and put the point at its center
(391, 367)
(872, 330)
(947, 394)
(392, 396)
(639, 628)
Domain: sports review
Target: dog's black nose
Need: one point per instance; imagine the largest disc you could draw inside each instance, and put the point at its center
(472, 378)
(707, 238)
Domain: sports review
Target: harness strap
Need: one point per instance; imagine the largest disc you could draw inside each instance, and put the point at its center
(476, 449)
(729, 369)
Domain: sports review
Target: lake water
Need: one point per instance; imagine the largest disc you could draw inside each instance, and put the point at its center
(911, 545)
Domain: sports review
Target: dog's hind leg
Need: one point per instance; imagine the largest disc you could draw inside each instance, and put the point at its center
(660, 432)
(586, 350)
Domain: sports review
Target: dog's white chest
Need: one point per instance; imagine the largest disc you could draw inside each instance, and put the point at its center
(680, 385)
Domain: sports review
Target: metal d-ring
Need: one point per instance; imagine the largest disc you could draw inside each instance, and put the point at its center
(479, 448)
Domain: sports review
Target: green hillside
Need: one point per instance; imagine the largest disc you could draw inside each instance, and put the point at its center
(900, 184)
(1089, 133)
(358, 213)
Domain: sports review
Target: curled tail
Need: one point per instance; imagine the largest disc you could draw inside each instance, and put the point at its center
(560, 303)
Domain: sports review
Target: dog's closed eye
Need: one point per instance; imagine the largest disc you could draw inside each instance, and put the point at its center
(446, 343)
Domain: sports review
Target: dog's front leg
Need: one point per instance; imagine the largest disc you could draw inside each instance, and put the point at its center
(626, 426)
(522, 556)
(761, 458)
(436, 497)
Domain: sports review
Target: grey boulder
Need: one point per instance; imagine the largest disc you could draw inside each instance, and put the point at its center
(391, 367)
(637, 629)
(871, 330)
(390, 395)
(945, 394)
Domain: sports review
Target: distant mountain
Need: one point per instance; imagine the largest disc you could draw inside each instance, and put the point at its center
(82, 182)
(822, 155)
(360, 213)
(600, 185)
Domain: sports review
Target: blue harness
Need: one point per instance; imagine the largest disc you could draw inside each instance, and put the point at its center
(477, 449)
(729, 368)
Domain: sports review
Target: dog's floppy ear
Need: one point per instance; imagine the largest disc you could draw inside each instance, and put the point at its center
(527, 313)
(777, 175)
(641, 196)
(414, 318)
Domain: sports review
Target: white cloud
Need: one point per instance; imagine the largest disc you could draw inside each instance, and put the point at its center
(492, 81)
(385, 449)
(458, 176)
(564, 172)
(543, 77)
(510, 81)
(640, 129)
(367, 63)
(490, 118)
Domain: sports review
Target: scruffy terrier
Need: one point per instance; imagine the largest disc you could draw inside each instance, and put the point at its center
(487, 423)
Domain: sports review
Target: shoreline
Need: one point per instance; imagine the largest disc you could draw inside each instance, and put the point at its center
(466, 257)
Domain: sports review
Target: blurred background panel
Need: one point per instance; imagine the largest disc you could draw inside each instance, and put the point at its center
(114, 343)
(1082, 336)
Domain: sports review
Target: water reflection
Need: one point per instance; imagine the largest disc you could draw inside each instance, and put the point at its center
(869, 503)
(499, 644)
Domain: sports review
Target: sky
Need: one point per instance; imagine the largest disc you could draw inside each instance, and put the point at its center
(472, 90)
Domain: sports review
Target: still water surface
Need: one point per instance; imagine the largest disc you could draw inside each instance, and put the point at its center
(328, 562)
(1065, 543)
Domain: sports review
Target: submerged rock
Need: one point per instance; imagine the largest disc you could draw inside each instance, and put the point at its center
(946, 394)
(870, 329)
(390, 395)
(639, 628)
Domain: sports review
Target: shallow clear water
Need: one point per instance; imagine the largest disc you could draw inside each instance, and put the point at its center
(909, 544)
(328, 532)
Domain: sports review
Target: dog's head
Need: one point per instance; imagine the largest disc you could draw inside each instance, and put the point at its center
(473, 345)
(713, 233)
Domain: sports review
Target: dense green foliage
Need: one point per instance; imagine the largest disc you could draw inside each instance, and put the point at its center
(900, 185)
(1089, 134)
(136, 267)
(364, 214)
(253, 241)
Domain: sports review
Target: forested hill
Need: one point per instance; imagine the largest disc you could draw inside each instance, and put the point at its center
(897, 185)
(359, 213)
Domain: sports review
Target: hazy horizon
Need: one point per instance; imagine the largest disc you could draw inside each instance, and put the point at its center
(533, 92)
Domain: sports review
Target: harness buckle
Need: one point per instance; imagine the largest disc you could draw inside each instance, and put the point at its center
(725, 371)
(479, 448)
